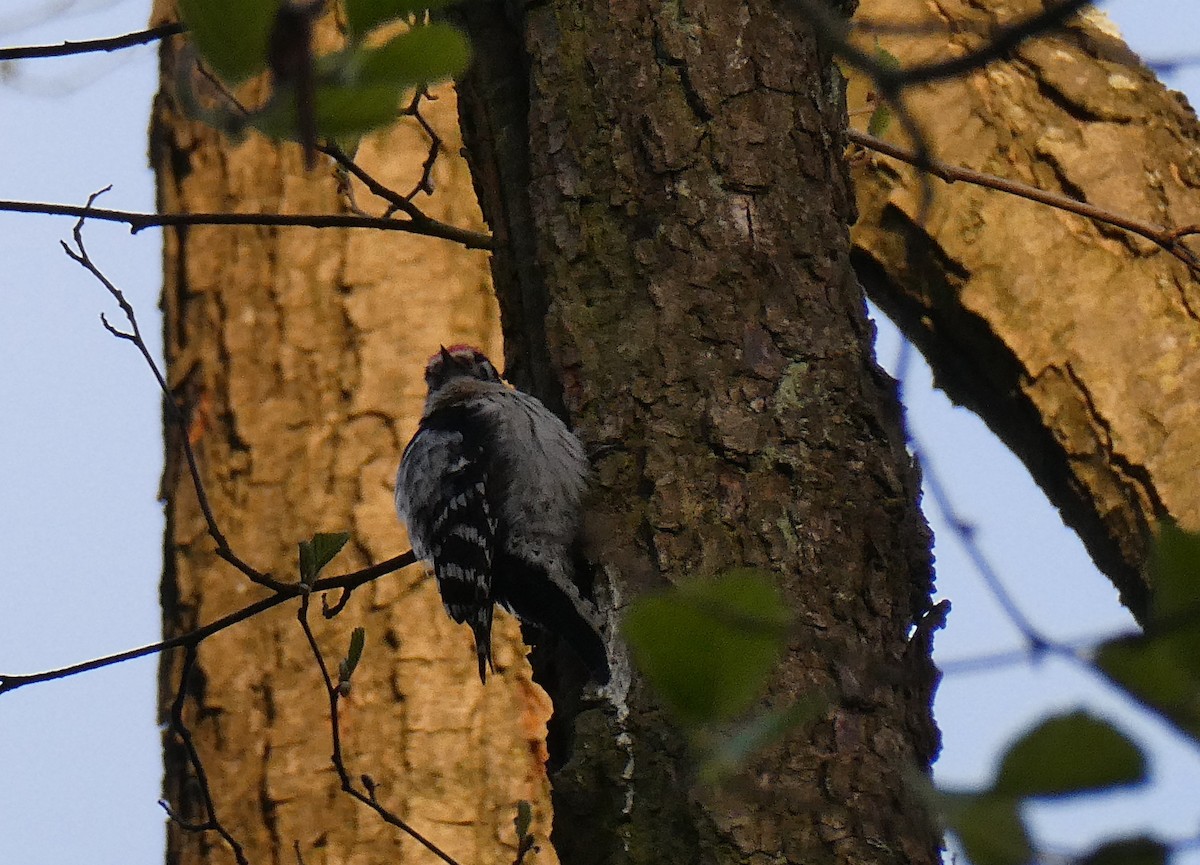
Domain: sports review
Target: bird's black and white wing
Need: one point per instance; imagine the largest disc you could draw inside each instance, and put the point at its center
(491, 487)
(442, 495)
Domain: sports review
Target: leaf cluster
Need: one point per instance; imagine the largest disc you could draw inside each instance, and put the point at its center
(708, 647)
(1064, 755)
(1077, 753)
(353, 90)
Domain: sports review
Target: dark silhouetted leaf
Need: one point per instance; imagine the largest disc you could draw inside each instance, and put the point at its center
(1128, 851)
(1175, 593)
(1073, 753)
(1152, 672)
(989, 827)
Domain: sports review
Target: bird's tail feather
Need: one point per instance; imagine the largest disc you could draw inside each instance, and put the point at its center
(481, 625)
(553, 604)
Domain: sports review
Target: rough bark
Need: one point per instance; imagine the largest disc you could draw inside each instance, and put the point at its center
(298, 355)
(1075, 342)
(675, 171)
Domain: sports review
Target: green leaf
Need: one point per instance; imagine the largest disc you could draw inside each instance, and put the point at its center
(231, 35)
(708, 646)
(340, 111)
(315, 554)
(1162, 668)
(731, 750)
(1151, 670)
(886, 58)
(1128, 851)
(881, 118)
(523, 820)
(358, 639)
(364, 15)
(989, 827)
(1073, 753)
(1175, 585)
(425, 54)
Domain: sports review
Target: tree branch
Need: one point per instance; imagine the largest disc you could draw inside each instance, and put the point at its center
(109, 43)
(891, 79)
(140, 221)
(425, 184)
(212, 822)
(134, 335)
(350, 581)
(1168, 239)
(333, 693)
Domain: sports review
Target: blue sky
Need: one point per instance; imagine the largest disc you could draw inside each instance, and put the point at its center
(80, 454)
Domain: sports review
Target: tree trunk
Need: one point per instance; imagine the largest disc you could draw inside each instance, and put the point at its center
(1074, 341)
(668, 188)
(298, 356)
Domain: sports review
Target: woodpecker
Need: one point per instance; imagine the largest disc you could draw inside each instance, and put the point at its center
(490, 488)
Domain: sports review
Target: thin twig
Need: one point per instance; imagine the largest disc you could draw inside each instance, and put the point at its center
(1038, 644)
(140, 221)
(997, 47)
(109, 43)
(1170, 65)
(282, 591)
(1170, 240)
(333, 693)
(834, 32)
(425, 184)
(391, 196)
(892, 81)
(134, 335)
(211, 822)
(11, 682)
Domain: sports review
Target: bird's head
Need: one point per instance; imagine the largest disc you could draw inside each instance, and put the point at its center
(458, 361)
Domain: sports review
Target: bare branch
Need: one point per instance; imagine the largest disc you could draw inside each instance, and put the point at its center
(834, 32)
(134, 335)
(997, 46)
(397, 201)
(425, 184)
(891, 81)
(140, 221)
(1171, 65)
(334, 694)
(11, 682)
(1168, 239)
(211, 822)
(281, 591)
(109, 43)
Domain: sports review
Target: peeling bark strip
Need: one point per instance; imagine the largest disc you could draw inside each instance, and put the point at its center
(1076, 343)
(666, 185)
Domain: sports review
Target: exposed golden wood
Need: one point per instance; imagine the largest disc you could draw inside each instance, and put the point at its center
(299, 356)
